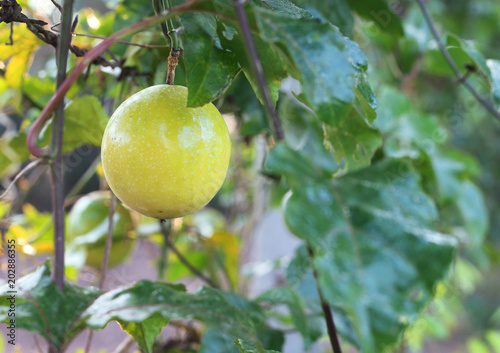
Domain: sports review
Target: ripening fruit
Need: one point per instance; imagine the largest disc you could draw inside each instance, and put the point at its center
(87, 226)
(162, 159)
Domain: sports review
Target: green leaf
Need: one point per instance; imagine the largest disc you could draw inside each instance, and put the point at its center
(272, 62)
(127, 13)
(215, 341)
(42, 308)
(338, 12)
(463, 53)
(493, 338)
(84, 123)
(494, 66)
(224, 311)
(13, 152)
(210, 67)
(452, 169)
(364, 94)
(250, 347)
(318, 51)
(475, 345)
(379, 12)
(305, 133)
(310, 326)
(328, 89)
(248, 108)
(353, 142)
(472, 207)
(144, 332)
(283, 7)
(372, 233)
(350, 141)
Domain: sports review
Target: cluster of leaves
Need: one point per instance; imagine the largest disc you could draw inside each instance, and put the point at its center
(374, 188)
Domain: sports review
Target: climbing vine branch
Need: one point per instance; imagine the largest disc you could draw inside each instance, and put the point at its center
(462, 79)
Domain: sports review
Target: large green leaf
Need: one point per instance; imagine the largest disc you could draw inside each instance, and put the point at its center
(472, 207)
(145, 332)
(350, 141)
(84, 123)
(210, 67)
(372, 233)
(139, 303)
(318, 51)
(42, 308)
(216, 341)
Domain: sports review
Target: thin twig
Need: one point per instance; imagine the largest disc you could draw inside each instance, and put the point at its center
(56, 4)
(487, 104)
(146, 46)
(109, 239)
(19, 175)
(258, 69)
(125, 346)
(89, 341)
(184, 260)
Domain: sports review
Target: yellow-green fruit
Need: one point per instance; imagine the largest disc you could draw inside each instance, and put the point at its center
(161, 158)
(87, 226)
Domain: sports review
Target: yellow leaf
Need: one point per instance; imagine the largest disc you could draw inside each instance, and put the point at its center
(227, 244)
(24, 44)
(16, 69)
(43, 247)
(23, 40)
(19, 233)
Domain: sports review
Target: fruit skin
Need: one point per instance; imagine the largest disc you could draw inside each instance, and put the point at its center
(87, 226)
(161, 158)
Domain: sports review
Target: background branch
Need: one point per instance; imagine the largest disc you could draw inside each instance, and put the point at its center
(487, 104)
(258, 70)
(182, 258)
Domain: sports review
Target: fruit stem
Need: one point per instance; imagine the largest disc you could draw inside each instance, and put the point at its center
(173, 60)
(169, 32)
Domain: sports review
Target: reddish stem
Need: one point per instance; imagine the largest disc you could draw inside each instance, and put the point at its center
(88, 58)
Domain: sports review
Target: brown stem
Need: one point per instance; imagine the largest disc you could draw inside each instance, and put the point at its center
(173, 61)
(327, 311)
(487, 104)
(258, 70)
